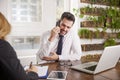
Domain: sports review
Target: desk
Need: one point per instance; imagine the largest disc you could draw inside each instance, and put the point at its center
(112, 74)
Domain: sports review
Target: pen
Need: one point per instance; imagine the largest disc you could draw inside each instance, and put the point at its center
(30, 65)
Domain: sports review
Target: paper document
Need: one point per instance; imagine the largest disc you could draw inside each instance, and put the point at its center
(42, 71)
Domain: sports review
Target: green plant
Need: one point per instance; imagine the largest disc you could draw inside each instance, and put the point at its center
(97, 33)
(85, 33)
(90, 57)
(86, 10)
(109, 42)
(106, 18)
(118, 35)
(77, 13)
(113, 14)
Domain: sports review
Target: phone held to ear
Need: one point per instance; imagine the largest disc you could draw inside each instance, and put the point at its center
(58, 23)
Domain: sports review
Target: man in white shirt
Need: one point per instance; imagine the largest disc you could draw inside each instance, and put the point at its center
(71, 48)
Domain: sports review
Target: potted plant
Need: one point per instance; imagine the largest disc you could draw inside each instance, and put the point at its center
(90, 57)
(85, 33)
(109, 42)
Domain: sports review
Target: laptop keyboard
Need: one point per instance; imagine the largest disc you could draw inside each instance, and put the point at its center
(92, 68)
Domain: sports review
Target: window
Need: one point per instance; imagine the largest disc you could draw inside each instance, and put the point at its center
(26, 10)
(26, 15)
(25, 42)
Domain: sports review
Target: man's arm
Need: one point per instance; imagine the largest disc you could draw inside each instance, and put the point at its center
(45, 46)
(46, 42)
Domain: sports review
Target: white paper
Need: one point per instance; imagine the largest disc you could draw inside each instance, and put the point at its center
(42, 70)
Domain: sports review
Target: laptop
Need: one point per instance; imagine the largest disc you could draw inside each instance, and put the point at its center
(108, 60)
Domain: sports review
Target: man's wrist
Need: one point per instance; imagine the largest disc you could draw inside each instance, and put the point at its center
(51, 39)
(58, 58)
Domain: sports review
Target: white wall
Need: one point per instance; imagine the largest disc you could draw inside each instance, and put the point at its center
(3, 7)
(49, 14)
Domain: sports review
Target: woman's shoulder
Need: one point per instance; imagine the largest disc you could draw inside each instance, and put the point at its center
(6, 48)
(4, 43)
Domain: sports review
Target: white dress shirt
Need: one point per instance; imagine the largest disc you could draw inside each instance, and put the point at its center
(71, 49)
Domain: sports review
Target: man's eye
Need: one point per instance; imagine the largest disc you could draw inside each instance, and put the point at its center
(68, 27)
(63, 25)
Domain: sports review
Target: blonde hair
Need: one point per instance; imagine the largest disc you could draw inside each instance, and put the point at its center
(5, 27)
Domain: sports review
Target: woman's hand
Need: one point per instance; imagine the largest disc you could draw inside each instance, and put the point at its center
(33, 69)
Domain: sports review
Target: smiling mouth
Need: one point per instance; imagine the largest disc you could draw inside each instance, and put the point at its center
(63, 32)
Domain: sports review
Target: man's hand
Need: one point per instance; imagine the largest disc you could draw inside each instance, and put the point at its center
(53, 56)
(54, 33)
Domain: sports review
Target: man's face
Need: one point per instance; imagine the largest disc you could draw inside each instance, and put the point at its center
(65, 26)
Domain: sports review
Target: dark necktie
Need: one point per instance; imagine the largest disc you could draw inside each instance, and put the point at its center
(60, 43)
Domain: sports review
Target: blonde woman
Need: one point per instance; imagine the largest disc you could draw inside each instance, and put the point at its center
(9, 63)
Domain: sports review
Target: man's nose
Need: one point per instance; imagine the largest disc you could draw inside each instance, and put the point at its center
(65, 28)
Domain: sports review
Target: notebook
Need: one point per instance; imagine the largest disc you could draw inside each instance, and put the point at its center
(108, 60)
(57, 75)
(42, 71)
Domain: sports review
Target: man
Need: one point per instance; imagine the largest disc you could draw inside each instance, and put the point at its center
(71, 49)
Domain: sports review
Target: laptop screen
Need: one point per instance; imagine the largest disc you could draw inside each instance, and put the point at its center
(92, 68)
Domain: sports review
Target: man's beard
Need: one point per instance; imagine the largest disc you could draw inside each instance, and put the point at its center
(63, 31)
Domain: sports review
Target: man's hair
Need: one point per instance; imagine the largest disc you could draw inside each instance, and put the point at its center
(68, 16)
(4, 26)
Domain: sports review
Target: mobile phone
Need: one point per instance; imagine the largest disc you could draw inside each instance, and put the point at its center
(57, 75)
(58, 23)
(60, 75)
